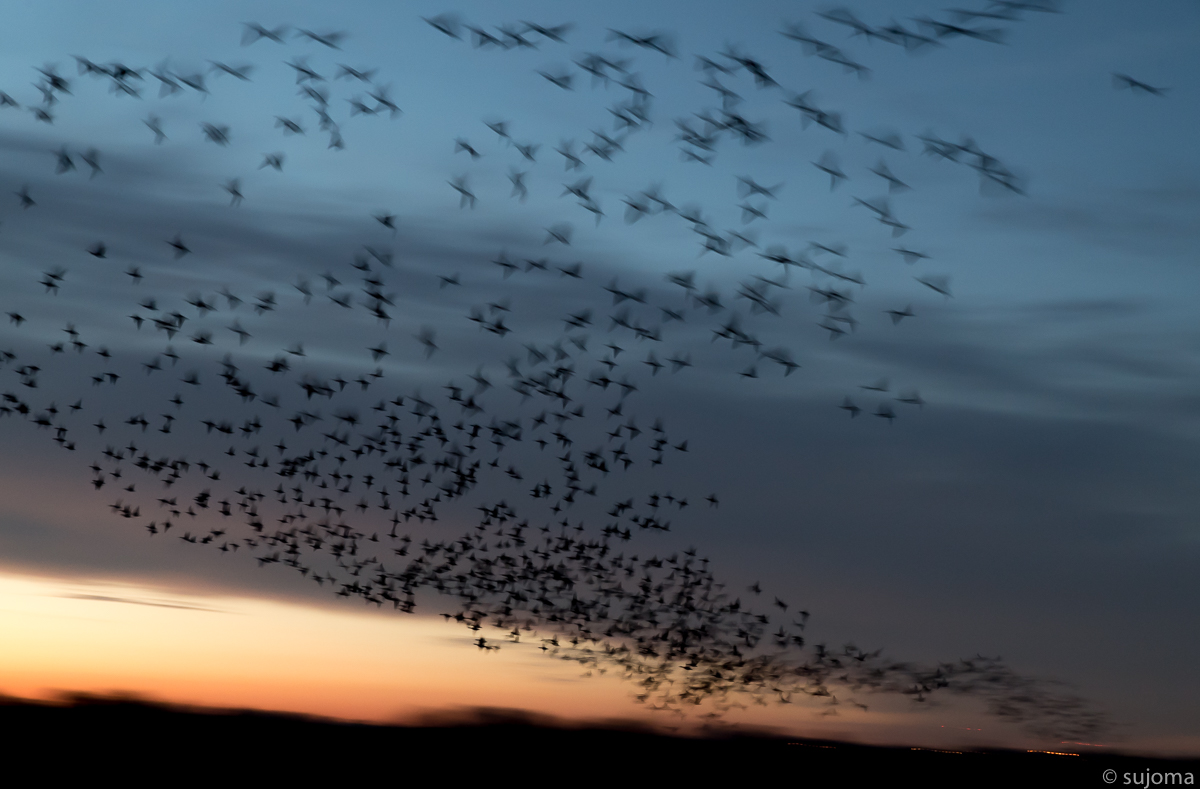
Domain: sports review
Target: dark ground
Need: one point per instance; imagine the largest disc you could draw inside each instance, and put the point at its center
(122, 737)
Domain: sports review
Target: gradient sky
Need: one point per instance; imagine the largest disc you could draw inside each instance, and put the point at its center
(1041, 505)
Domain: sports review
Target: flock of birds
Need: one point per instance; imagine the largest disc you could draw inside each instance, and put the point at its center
(344, 475)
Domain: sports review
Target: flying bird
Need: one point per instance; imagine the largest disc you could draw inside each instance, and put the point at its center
(154, 123)
(234, 187)
(255, 31)
(215, 133)
(1136, 86)
(180, 248)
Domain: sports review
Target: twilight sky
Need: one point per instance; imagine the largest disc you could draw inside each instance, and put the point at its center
(1034, 498)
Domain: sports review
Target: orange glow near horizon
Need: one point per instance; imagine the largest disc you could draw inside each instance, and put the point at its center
(102, 637)
(241, 652)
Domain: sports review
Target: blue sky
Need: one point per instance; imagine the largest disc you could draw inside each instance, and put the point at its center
(1039, 504)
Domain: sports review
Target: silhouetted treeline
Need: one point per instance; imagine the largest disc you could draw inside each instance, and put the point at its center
(117, 735)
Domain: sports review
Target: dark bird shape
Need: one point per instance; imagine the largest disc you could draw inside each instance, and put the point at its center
(894, 183)
(828, 164)
(748, 187)
(555, 33)
(572, 161)
(939, 284)
(560, 78)
(303, 72)
(579, 188)
(91, 157)
(427, 337)
(234, 187)
(466, 196)
(272, 160)
(519, 190)
(98, 250)
(461, 144)
(783, 358)
(500, 128)
(241, 72)
(288, 125)
(193, 81)
(255, 31)
(243, 335)
(514, 38)
(180, 248)
(1122, 81)
(54, 81)
(450, 24)
(910, 255)
(657, 41)
(330, 40)
(65, 163)
(380, 94)
(888, 139)
(947, 30)
(528, 150)
(154, 123)
(215, 133)
(560, 233)
(362, 75)
(484, 38)
(752, 212)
